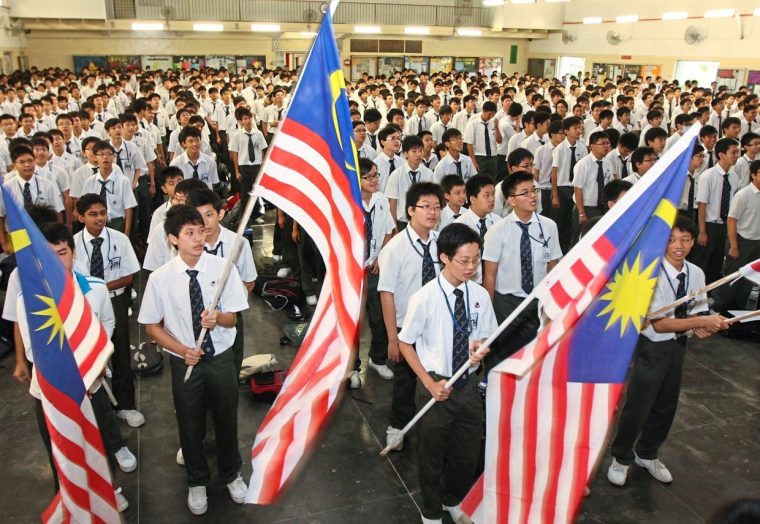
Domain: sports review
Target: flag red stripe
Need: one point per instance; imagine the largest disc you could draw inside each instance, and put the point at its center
(94, 354)
(604, 248)
(581, 272)
(67, 298)
(54, 506)
(508, 387)
(559, 419)
(276, 464)
(474, 498)
(560, 296)
(529, 442)
(582, 441)
(83, 325)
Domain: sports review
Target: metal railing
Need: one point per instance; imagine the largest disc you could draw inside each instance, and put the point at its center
(299, 11)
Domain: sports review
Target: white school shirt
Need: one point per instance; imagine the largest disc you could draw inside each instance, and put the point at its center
(461, 118)
(223, 248)
(542, 162)
(448, 217)
(67, 161)
(119, 194)
(131, 159)
(633, 178)
(691, 178)
(158, 216)
(415, 124)
(384, 167)
(507, 130)
(399, 183)
(366, 151)
(55, 174)
(741, 168)
(159, 250)
(431, 162)
(119, 259)
(502, 245)
(207, 172)
(616, 161)
(93, 289)
(706, 160)
(239, 144)
(400, 263)
(438, 129)
(475, 134)
(429, 325)
(74, 146)
(561, 160)
(81, 174)
(273, 115)
(514, 141)
(382, 223)
(585, 178)
(745, 209)
(665, 293)
(447, 166)
(533, 142)
(44, 192)
(710, 189)
(167, 299)
(469, 218)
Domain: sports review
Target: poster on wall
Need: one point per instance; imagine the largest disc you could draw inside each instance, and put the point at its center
(90, 62)
(250, 62)
(155, 62)
(466, 64)
(550, 68)
(363, 65)
(386, 65)
(651, 70)
(631, 71)
(488, 65)
(188, 62)
(125, 62)
(417, 64)
(218, 61)
(441, 63)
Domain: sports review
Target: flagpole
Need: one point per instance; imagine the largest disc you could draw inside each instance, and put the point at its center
(238, 244)
(693, 294)
(743, 317)
(461, 371)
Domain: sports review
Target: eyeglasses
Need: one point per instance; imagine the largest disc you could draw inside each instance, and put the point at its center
(525, 167)
(467, 261)
(527, 193)
(370, 177)
(427, 208)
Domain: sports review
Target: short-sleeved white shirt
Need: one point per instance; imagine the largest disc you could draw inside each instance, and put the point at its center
(119, 259)
(239, 144)
(399, 183)
(561, 160)
(43, 191)
(448, 166)
(745, 208)
(119, 195)
(244, 263)
(382, 223)
(475, 134)
(207, 172)
(585, 178)
(710, 189)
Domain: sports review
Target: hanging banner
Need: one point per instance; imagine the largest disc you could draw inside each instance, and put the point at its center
(155, 62)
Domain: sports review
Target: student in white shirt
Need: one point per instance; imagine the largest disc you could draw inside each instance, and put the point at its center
(167, 180)
(436, 345)
(442, 125)
(407, 262)
(518, 253)
(507, 123)
(27, 187)
(642, 160)
(429, 158)
(246, 149)
(715, 191)
(194, 163)
(688, 205)
(542, 165)
(482, 137)
(388, 159)
(519, 137)
(620, 157)
(591, 174)
(363, 147)
(479, 215)
(411, 172)
(455, 193)
(751, 147)
(682, 124)
(564, 159)
(454, 163)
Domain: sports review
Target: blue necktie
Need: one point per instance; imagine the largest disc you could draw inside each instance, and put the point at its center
(196, 305)
(27, 194)
(461, 342)
(96, 260)
(526, 259)
(428, 268)
(725, 198)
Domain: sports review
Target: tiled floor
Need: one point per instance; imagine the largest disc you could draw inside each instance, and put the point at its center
(712, 449)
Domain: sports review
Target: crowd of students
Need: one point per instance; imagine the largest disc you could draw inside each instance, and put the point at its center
(473, 187)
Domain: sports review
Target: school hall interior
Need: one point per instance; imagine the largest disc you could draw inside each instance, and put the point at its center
(712, 447)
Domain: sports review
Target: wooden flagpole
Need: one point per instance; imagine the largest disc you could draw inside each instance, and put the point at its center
(709, 287)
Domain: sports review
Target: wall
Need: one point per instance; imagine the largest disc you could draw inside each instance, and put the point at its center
(90, 9)
(56, 48)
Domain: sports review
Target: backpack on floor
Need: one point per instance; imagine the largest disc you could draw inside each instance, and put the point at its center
(281, 292)
(146, 359)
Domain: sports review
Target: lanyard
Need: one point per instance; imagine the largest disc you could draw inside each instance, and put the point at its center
(467, 328)
(411, 243)
(541, 239)
(36, 183)
(108, 252)
(691, 302)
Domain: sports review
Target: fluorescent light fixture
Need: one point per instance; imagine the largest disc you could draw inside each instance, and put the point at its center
(523, 1)
(719, 13)
(308, 34)
(627, 19)
(468, 31)
(416, 30)
(756, 12)
(367, 29)
(592, 20)
(265, 28)
(675, 15)
(206, 26)
(492, 3)
(147, 26)
(555, 1)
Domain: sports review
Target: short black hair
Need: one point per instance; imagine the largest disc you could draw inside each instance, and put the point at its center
(723, 145)
(411, 141)
(629, 140)
(686, 224)
(19, 151)
(516, 157)
(637, 157)
(449, 182)
(513, 180)
(422, 189)
(189, 184)
(88, 200)
(169, 172)
(372, 115)
(179, 216)
(655, 133)
(187, 132)
(56, 232)
(385, 132)
(455, 235)
(41, 213)
(477, 182)
(204, 197)
(365, 166)
(614, 188)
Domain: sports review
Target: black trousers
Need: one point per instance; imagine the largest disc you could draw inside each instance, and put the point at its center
(735, 295)
(487, 165)
(123, 384)
(311, 264)
(212, 386)
(546, 204)
(403, 407)
(519, 333)
(450, 439)
(238, 345)
(710, 257)
(654, 386)
(378, 349)
(144, 207)
(248, 176)
(501, 168)
(564, 217)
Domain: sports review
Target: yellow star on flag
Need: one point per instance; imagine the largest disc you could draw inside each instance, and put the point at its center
(629, 293)
(53, 319)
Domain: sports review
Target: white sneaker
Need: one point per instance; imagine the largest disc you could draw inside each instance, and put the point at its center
(237, 489)
(283, 272)
(258, 220)
(132, 417)
(197, 502)
(180, 457)
(618, 473)
(381, 369)
(127, 461)
(431, 521)
(657, 469)
(311, 300)
(121, 501)
(394, 439)
(129, 312)
(277, 258)
(457, 515)
(355, 380)
(133, 294)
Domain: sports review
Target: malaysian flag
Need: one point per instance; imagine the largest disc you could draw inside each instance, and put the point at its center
(751, 271)
(549, 407)
(70, 350)
(311, 175)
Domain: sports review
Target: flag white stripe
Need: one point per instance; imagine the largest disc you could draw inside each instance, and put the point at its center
(496, 409)
(599, 422)
(516, 445)
(572, 425)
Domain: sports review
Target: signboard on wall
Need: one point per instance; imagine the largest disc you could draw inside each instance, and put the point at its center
(90, 62)
(631, 71)
(250, 62)
(488, 65)
(441, 63)
(188, 62)
(466, 64)
(753, 77)
(386, 65)
(218, 62)
(125, 62)
(650, 70)
(154, 62)
(417, 63)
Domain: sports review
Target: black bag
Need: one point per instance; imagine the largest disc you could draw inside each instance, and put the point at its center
(294, 333)
(146, 359)
(281, 292)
